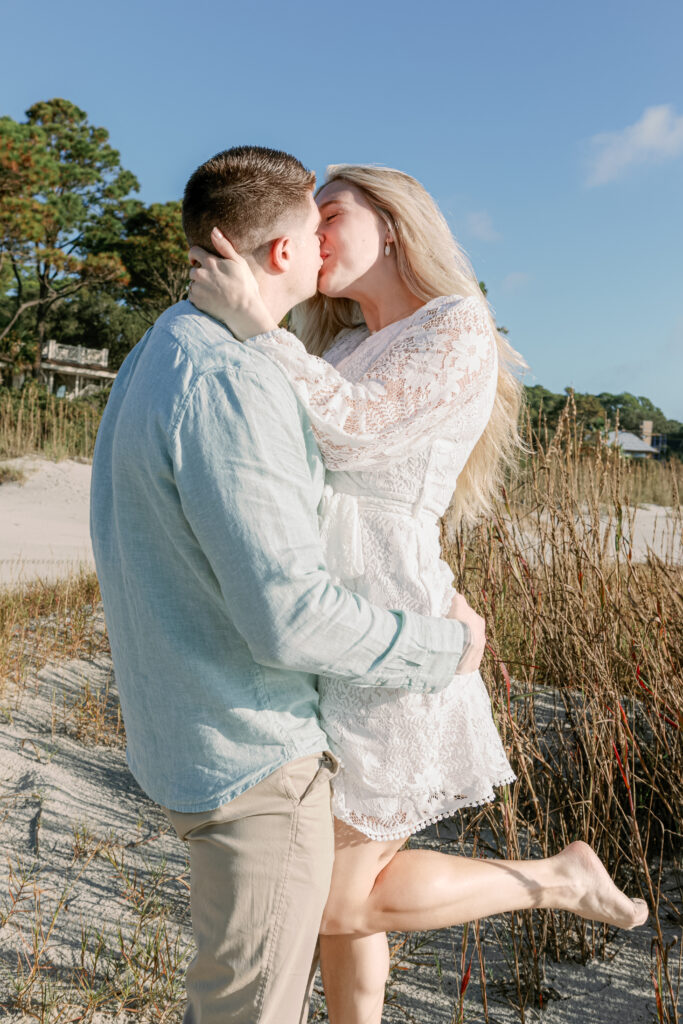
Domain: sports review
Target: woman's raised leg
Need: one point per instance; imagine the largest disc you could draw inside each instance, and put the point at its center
(377, 887)
(419, 890)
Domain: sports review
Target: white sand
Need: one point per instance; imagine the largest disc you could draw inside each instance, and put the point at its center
(53, 786)
(44, 522)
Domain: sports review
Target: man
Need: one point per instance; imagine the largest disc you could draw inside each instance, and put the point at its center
(221, 613)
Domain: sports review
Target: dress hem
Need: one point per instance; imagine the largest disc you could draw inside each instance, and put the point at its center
(424, 823)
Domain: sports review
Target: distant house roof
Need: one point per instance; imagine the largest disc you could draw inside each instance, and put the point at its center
(629, 442)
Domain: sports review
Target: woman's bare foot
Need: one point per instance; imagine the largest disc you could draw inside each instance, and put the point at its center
(591, 893)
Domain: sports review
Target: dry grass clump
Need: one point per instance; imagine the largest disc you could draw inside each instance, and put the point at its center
(644, 481)
(640, 481)
(12, 475)
(94, 716)
(42, 622)
(585, 667)
(32, 421)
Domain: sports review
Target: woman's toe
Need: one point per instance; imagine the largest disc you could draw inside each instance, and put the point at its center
(642, 912)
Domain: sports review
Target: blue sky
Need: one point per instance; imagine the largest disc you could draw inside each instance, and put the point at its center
(550, 134)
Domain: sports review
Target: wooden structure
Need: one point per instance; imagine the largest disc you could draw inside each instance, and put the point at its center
(74, 366)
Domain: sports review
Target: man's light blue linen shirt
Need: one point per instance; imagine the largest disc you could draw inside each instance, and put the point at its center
(219, 608)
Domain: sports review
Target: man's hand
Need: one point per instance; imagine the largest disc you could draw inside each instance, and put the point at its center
(461, 611)
(224, 287)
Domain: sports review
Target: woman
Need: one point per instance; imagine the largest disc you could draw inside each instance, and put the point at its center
(416, 391)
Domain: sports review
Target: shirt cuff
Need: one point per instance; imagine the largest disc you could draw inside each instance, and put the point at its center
(468, 644)
(433, 649)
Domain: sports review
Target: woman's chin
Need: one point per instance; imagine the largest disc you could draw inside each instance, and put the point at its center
(339, 284)
(328, 289)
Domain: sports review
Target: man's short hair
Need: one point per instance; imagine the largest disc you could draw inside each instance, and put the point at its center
(244, 191)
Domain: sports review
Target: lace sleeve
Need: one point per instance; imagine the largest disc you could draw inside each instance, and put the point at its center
(437, 376)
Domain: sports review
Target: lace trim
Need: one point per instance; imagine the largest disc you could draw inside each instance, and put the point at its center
(362, 822)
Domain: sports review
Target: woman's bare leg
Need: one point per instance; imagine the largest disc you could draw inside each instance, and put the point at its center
(355, 968)
(421, 890)
(354, 972)
(377, 887)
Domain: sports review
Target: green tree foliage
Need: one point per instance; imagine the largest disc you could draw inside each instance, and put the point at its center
(154, 251)
(544, 405)
(96, 318)
(62, 191)
(633, 410)
(152, 247)
(24, 169)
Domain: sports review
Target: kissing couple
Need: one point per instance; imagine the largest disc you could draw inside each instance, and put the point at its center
(299, 681)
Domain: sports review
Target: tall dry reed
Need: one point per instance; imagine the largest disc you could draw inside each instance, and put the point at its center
(32, 421)
(585, 667)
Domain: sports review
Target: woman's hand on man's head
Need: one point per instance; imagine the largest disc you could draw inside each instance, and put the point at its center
(224, 287)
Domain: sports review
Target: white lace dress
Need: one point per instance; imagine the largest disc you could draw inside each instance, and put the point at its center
(396, 414)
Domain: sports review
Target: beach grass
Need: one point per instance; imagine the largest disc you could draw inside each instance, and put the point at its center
(44, 621)
(585, 667)
(12, 475)
(136, 975)
(35, 422)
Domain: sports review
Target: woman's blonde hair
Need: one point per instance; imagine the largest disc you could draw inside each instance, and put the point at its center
(430, 263)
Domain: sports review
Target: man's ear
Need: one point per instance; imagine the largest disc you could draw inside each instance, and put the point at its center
(280, 254)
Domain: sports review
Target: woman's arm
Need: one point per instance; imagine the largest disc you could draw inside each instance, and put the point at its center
(224, 287)
(440, 373)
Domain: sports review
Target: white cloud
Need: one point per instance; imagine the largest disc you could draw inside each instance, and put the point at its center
(479, 225)
(657, 136)
(514, 281)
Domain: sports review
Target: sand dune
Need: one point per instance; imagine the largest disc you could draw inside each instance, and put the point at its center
(55, 787)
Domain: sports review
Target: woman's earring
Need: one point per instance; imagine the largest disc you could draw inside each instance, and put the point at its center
(387, 250)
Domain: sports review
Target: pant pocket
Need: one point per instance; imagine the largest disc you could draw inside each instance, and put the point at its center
(305, 774)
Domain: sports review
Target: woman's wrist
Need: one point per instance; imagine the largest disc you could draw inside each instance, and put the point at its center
(258, 316)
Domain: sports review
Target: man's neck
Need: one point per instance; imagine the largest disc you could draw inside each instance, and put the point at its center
(277, 303)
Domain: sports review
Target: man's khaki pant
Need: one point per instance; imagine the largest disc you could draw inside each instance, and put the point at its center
(260, 869)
